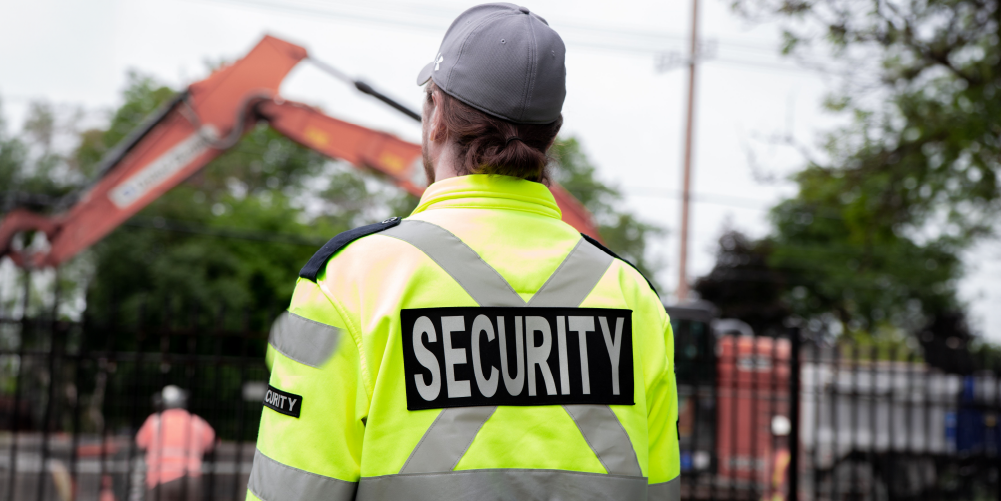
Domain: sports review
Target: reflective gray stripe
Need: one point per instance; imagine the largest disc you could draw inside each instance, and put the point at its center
(666, 491)
(448, 438)
(607, 438)
(446, 441)
(569, 285)
(478, 278)
(574, 279)
(306, 341)
(273, 481)
(505, 485)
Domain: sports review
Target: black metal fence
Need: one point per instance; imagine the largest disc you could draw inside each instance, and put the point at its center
(74, 394)
(871, 423)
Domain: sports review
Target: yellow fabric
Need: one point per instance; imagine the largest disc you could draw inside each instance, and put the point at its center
(292, 441)
(354, 420)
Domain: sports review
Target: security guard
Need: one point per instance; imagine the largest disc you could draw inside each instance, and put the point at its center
(480, 349)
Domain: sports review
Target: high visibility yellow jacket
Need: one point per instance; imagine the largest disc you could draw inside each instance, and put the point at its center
(479, 349)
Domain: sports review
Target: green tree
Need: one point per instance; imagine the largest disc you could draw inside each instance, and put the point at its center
(621, 230)
(744, 285)
(35, 173)
(33, 170)
(221, 250)
(874, 235)
(234, 235)
(842, 259)
(226, 245)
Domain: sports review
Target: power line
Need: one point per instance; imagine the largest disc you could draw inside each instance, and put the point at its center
(796, 276)
(766, 65)
(161, 224)
(730, 201)
(443, 17)
(705, 198)
(637, 41)
(175, 226)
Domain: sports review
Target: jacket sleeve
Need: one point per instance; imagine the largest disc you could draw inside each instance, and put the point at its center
(316, 360)
(665, 464)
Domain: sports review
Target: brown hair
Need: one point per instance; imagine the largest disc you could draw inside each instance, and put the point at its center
(490, 145)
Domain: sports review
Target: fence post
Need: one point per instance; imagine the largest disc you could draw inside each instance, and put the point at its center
(794, 407)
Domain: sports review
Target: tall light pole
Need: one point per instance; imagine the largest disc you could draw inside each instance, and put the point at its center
(693, 50)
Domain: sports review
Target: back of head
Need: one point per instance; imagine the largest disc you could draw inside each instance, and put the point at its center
(501, 78)
(487, 144)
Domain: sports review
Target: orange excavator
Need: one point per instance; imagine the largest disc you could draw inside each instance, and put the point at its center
(204, 121)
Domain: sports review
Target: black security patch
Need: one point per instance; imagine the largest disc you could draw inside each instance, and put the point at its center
(283, 402)
(471, 356)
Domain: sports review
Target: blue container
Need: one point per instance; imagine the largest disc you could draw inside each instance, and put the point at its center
(686, 461)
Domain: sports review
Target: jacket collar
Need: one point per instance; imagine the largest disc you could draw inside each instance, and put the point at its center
(485, 191)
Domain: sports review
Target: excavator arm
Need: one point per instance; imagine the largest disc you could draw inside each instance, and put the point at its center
(203, 122)
(365, 148)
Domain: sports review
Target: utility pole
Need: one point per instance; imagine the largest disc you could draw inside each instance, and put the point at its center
(693, 50)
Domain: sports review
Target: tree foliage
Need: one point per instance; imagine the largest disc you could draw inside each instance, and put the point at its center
(221, 250)
(622, 231)
(234, 235)
(34, 170)
(743, 285)
(875, 233)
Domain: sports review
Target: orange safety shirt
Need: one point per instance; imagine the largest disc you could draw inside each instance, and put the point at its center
(174, 441)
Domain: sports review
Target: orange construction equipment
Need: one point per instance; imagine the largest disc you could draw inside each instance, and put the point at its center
(204, 121)
(753, 381)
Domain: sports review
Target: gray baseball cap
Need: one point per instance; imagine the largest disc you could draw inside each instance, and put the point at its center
(504, 60)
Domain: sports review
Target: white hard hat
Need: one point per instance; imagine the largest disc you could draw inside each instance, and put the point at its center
(173, 397)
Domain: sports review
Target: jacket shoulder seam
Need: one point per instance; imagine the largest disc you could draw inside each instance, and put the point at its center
(317, 263)
(612, 253)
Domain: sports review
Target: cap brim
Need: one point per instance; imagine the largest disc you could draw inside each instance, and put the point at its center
(425, 74)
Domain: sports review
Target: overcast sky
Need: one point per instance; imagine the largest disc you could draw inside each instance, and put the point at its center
(624, 108)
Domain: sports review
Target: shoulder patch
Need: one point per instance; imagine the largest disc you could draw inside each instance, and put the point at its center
(320, 258)
(616, 256)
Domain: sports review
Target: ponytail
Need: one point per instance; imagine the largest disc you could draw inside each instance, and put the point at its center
(491, 145)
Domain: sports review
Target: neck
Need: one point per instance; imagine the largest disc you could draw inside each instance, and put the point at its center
(446, 163)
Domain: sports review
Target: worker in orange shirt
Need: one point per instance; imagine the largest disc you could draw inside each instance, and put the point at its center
(174, 441)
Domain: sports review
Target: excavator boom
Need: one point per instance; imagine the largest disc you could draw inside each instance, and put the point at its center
(203, 122)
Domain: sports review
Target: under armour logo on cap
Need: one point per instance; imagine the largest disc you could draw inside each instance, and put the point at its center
(438, 60)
